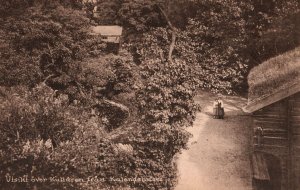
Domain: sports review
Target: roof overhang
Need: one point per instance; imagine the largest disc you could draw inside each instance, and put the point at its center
(113, 30)
(264, 101)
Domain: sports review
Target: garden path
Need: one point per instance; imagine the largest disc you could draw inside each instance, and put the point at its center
(219, 151)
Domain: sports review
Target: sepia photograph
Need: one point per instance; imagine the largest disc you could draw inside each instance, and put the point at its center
(149, 94)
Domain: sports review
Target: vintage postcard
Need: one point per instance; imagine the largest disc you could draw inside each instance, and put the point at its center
(150, 95)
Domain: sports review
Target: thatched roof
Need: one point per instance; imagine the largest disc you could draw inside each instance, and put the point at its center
(274, 80)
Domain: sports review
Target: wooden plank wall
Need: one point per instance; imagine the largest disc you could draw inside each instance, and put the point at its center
(295, 132)
(281, 137)
(273, 121)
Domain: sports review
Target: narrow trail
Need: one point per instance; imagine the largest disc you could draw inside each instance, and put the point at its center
(219, 151)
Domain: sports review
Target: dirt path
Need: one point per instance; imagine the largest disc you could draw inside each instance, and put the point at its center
(218, 154)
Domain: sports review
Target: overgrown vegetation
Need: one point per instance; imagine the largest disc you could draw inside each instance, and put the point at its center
(71, 109)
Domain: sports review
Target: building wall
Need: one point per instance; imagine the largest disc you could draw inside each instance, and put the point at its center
(272, 120)
(295, 139)
(277, 131)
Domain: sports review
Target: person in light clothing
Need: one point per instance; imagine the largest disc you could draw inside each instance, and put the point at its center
(218, 109)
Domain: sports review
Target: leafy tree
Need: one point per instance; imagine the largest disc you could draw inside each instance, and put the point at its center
(45, 44)
(218, 36)
(272, 27)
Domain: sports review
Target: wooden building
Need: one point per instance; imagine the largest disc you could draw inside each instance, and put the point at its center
(109, 34)
(274, 101)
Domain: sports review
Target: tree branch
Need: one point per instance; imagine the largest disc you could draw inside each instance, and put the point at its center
(167, 18)
(174, 31)
(48, 77)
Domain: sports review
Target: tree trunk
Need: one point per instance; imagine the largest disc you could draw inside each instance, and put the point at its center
(174, 31)
(172, 46)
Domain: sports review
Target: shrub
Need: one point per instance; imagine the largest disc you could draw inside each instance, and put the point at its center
(167, 94)
(33, 123)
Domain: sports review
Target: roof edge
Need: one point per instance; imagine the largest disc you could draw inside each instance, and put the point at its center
(261, 102)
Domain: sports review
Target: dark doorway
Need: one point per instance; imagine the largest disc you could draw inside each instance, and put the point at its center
(275, 173)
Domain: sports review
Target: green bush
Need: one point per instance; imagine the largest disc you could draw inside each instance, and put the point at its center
(167, 93)
(34, 122)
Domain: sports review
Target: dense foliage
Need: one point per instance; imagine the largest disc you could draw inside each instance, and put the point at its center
(42, 43)
(223, 39)
(71, 109)
(167, 94)
(66, 102)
